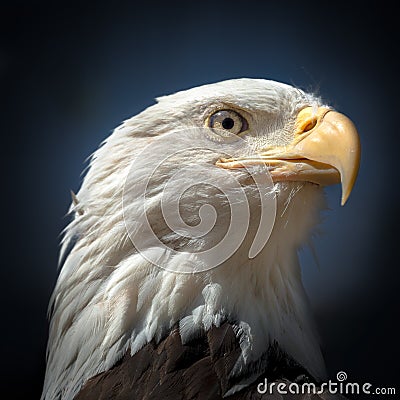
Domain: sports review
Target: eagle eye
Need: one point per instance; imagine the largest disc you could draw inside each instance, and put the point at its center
(228, 120)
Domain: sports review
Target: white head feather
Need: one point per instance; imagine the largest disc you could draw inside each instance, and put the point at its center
(109, 298)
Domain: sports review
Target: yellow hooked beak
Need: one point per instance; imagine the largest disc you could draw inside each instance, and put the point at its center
(325, 151)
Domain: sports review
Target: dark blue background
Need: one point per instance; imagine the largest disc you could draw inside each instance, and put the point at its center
(70, 75)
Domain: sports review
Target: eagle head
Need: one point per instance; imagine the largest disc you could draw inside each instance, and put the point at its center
(190, 215)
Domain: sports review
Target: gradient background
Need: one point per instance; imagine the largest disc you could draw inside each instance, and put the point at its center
(70, 75)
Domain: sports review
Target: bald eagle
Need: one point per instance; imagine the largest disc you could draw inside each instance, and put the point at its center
(180, 276)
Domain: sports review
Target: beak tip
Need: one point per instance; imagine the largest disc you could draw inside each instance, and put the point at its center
(346, 190)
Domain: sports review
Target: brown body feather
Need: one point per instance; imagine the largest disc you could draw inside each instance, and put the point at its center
(198, 370)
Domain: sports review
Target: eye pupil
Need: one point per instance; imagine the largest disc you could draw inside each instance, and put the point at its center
(228, 123)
